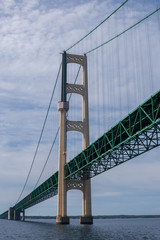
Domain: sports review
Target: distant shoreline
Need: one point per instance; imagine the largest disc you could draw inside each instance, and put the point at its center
(98, 216)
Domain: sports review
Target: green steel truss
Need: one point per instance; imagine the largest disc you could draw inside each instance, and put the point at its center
(129, 149)
(47, 189)
(4, 215)
(137, 133)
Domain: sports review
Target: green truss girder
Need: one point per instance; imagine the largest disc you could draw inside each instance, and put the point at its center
(132, 136)
(46, 190)
(4, 215)
(139, 144)
(137, 133)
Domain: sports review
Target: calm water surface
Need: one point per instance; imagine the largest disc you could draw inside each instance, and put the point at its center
(110, 229)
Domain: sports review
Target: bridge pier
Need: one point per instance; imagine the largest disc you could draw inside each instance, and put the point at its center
(86, 217)
(17, 216)
(23, 215)
(62, 220)
(10, 214)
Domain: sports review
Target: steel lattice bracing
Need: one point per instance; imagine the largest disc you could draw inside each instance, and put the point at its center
(139, 144)
(137, 133)
(46, 190)
(4, 215)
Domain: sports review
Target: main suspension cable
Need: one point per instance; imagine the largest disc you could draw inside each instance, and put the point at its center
(118, 35)
(47, 158)
(97, 25)
(41, 133)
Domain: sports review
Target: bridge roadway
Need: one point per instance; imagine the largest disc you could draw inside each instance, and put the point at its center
(137, 133)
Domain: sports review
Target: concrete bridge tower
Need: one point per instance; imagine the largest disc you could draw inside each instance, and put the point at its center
(67, 125)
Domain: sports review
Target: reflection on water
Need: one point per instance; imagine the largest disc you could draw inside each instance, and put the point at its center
(111, 229)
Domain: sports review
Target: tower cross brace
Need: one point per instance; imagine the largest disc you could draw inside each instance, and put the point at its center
(81, 126)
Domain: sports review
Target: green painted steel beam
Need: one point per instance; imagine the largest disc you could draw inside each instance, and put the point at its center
(135, 134)
(4, 215)
(46, 190)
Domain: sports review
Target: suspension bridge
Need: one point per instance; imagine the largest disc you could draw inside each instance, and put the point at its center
(133, 135)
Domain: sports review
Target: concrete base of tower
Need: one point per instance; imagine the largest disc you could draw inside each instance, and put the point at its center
(10, 214)
(23, 215)
(86, 220)
(17, 216)
(62, 220)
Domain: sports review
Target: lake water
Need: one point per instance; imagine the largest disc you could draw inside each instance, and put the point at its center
(106, 229)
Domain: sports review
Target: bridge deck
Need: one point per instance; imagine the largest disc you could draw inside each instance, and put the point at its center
(132, 136)
(135, 134)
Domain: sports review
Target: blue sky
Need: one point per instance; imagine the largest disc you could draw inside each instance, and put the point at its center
(33, 33)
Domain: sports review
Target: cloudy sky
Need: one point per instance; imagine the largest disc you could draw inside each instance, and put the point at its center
(122, 75)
